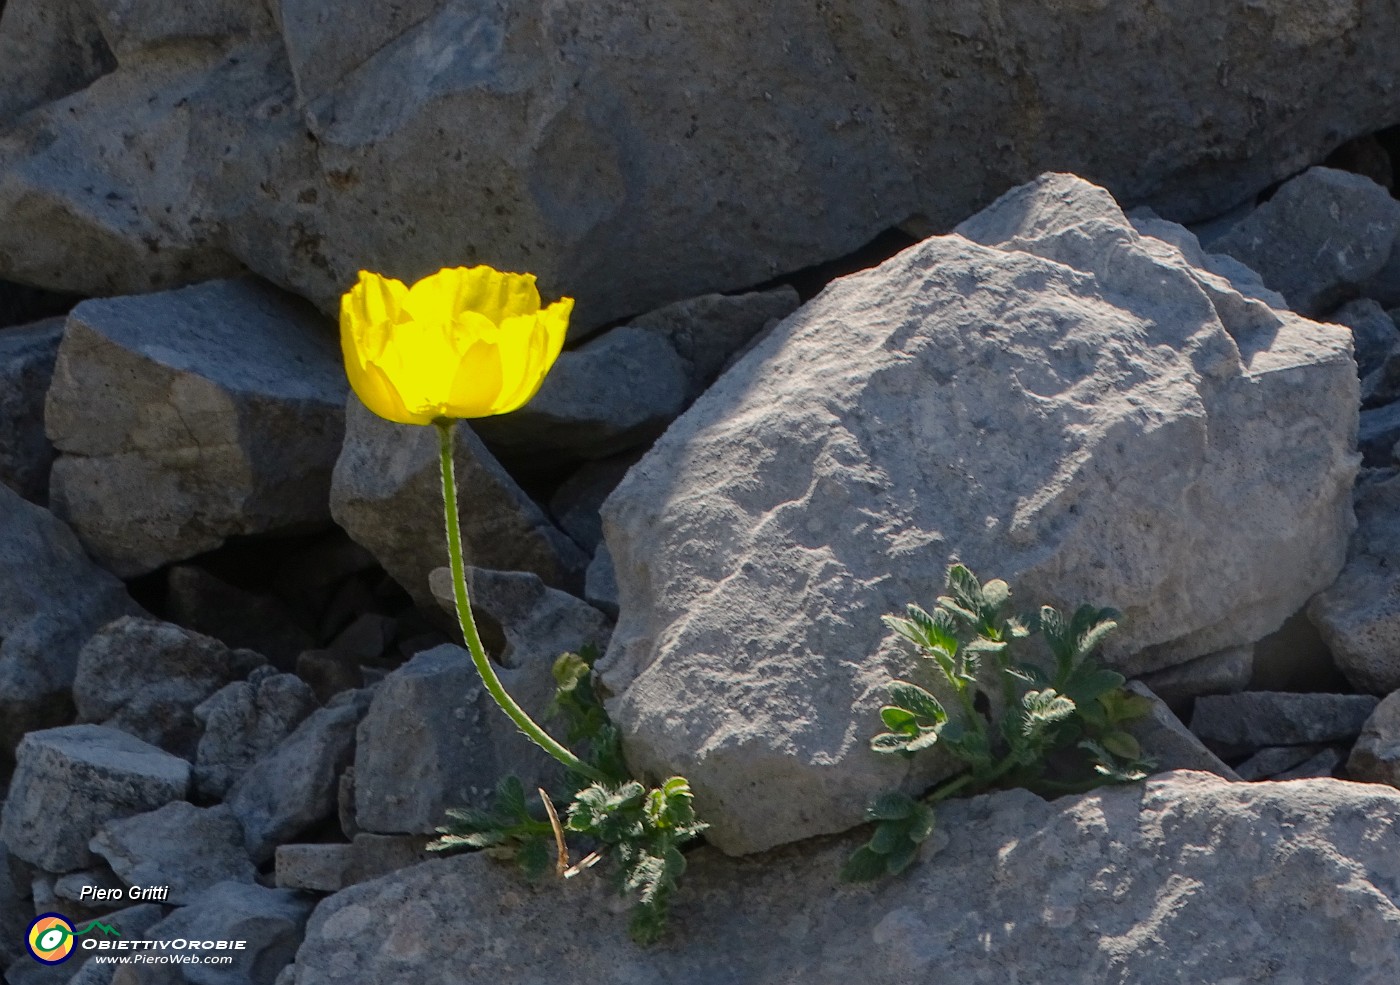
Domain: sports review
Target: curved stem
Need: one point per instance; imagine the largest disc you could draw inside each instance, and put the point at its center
(493, 684)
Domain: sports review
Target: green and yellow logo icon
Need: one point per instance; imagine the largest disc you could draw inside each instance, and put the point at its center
(51, 938)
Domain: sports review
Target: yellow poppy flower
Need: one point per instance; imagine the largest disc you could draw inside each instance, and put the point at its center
(463, 342)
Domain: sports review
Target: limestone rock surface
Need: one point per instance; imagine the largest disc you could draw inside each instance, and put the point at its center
(1186, 879)
(629, 153)
(1051, 396)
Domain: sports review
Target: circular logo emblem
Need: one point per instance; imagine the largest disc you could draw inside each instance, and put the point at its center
(51, 938)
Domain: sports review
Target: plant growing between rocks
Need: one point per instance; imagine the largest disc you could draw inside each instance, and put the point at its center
(475, 342)
(1059, 728)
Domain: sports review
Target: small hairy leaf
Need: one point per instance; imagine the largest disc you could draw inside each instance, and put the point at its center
(888, 836)
(888, 742)
(892, 806)
(918, 701)
(1122, 745)
(898, 860)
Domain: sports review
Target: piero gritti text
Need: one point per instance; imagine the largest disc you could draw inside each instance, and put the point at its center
(146, 894)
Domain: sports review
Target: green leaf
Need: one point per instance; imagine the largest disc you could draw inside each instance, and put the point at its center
(866, 865)
(921, 824)
(888, 836)
(1122, 745)
(918, 701)
(926, 739)
(898, 860)
(892, 806)
(899, 720)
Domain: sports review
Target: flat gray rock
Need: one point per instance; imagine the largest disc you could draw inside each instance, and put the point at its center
(293, 788)
(70, 781)
(1273, 760)
(1359, 615)
(185, 848)
(146, 677)
(632, 154)
(222, 414)
(387, 495)
(1256, 719)
(27, 356)
(1321, 235)
(1137, 870)
(52, 599)
(1051, 397)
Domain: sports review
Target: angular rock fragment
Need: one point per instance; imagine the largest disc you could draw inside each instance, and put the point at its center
(184, 848)
(1321, 236)
(270, 922)
(434, 738)
(1143, 864)
(52, 598)
(27, 357)
(1378, 435)
(1374, 335)
(222, 414)
(1270, 761)
(615, 392)
(712, 329)
(1359, 615)
(146, 677)
(1168, 743)
(330, 868)
(244, 721)
(575, 504)
(1318, 766)
(293, 787)
(1223, 672)
(70, 781)
(1376, 756)
(1256, 719)
(387, 495)
(1050, 396)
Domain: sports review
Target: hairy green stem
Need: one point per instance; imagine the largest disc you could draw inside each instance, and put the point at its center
(493, 684)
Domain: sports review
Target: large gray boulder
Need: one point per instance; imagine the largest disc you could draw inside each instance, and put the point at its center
(1054, 398)
(631, 153)
(70, 781)
(386, 493)
(1125, 884)
(207, 412)
(52, 598)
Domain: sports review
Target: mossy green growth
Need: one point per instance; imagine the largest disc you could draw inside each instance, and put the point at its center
(637, 829)
(1061, 722)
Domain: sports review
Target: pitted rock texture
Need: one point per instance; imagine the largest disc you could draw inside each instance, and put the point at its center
(1189, 879)
(221, 414)
(1054, 398)
(630, 153)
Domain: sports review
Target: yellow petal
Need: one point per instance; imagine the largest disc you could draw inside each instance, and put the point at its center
(368, 315)
(477, 382)
(490, 293)
(529, 348)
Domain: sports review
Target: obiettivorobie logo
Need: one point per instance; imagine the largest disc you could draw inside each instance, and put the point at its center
(51, 937)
